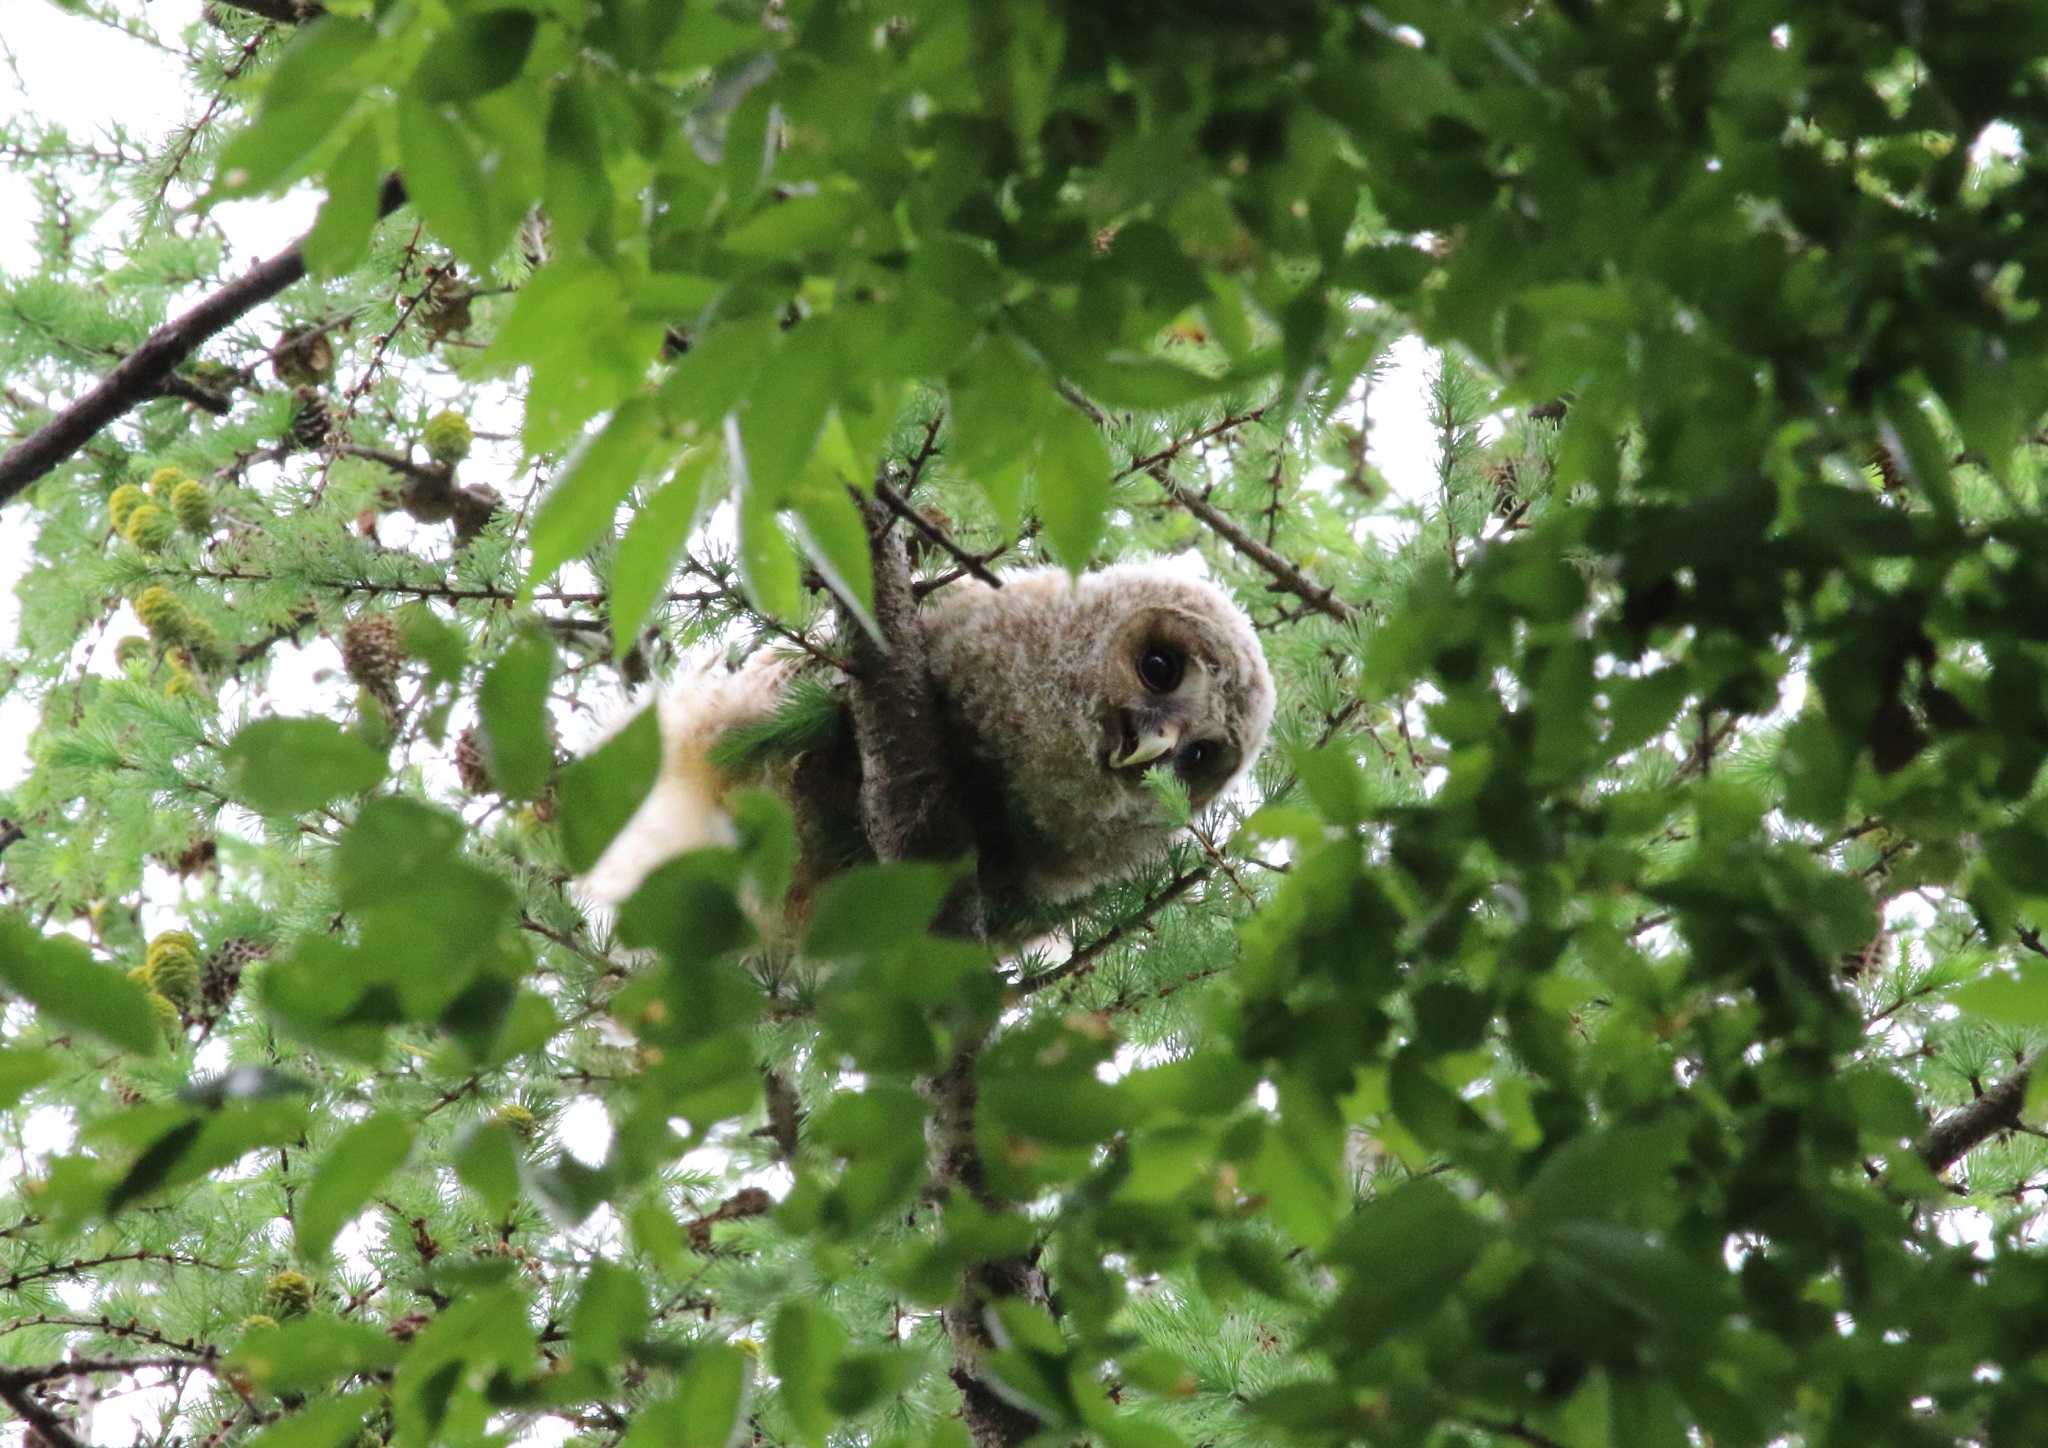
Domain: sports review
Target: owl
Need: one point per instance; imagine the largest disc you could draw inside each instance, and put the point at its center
(1056, 697)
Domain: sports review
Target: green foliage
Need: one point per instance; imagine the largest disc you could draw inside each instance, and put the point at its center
(1605, 1016)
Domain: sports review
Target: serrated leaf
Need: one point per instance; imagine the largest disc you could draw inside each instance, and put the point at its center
(475, 55)
(578, 509)
(285, 767)
(340, 237)
(874, 907)
(444, 179)
(513, 706)
(1073, 486)
(347, 1177)
(58, 976)
(654, 539)
(601, 790)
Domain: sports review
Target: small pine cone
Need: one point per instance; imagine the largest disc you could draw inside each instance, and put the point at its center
(125, 1093)
(288, 1294)
(370, 652)
(429, 497)
(201, 643)
(163, 614)
(447, 437)
(311, 420)
(474, 507)
(168, 1018)
(444, 307)
(132, 652)
(165, 481)
(303, 356)
(183, 684)
(172, 965)
(150, 528)
(406, 1328)
(122, 503)
(469, 762)
(193, 507)
(222, 976)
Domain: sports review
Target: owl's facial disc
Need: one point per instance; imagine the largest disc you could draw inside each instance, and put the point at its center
(1161, 704)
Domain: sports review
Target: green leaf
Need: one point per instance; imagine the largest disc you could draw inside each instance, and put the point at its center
(768, 567)
(611, 1314)
(487, 1162)
(2016, 1000)
(803, 1347)
(834, 537)
(874, 907)
(348, 1175)
(518, 745)
(58, 976)
(1403, 1253)
(1073, 485)
(286, 767)
(311, 1352)
(340, 237)
(654, 540)
(444, 179)
(601, 790)
(21, 1071)
(576, 188)
(324, 1423)
(476, 55)
(579, 508)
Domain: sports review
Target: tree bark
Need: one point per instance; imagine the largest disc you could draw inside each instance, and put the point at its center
(1959, 1133)
(142, 374)
(913, 808)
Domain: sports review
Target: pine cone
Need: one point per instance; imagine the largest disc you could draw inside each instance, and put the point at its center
(370, 652)
(303, 356)
(447, 436)
(311, 421)
(166, 481)
(132, 651)
(163, 614)
(222, 976)
(150, 527)
(122, 503)
(193, 507)
(469, 762)
(172, 967)
(444, 307)
(288, 1294)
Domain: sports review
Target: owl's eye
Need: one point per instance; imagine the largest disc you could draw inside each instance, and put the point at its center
(1161, 669)
(1196, 755)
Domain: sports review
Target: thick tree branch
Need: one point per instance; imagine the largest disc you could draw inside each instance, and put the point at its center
(144, 373)
(21, 1397)
(911, 804)
(1959, 1133)
(913, 808)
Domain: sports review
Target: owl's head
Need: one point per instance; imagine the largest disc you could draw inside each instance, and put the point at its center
(1072, 688)
(1181, 680)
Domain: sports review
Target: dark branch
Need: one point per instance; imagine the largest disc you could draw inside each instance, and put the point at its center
(1285, 575)
(284, 12)
(911, 805)
(969, 563)
(1085, 956)
(1959, 1133)
(145, 371)
(21, 1397)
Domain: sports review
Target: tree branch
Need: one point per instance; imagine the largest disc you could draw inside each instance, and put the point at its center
(1285, 575)
(145, 371)
(1959, 1133)
(284, 12)
(21, 1397)
(911, 805)
(1085, 956)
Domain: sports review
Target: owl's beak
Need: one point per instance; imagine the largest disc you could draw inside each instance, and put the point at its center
(1145, 738)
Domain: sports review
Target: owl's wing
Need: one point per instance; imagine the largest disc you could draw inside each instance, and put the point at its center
(685, 809)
